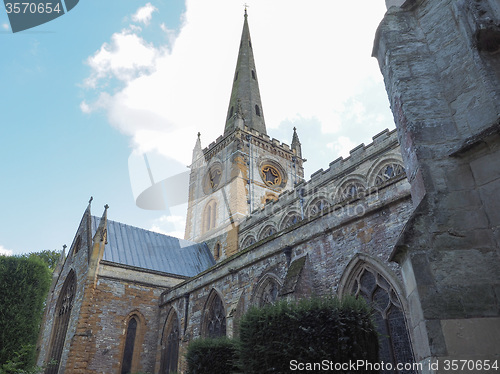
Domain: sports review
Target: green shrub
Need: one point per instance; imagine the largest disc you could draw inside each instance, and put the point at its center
(210, 356)
(310, 331)
(24, 283)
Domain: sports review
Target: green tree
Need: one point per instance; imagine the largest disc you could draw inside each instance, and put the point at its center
(49, 257)
(24, 283)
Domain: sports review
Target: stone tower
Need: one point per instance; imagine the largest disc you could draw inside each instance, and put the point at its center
(243, 169)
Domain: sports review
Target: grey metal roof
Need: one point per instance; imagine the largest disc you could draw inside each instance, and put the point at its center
(133, 246)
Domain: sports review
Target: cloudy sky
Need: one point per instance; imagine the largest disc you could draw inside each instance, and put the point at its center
(87, 95)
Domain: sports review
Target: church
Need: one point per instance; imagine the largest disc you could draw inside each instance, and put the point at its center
(408, 222)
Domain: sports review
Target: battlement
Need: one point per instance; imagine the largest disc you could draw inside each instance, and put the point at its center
(359, 170)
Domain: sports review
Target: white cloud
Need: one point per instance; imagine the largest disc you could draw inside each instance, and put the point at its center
(172, 225)
(310, 61)
(5, 252)
(125, 58)
(144, 14)
(5, 26)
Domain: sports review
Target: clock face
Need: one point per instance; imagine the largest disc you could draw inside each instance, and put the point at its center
(271, 175)
(212, 179)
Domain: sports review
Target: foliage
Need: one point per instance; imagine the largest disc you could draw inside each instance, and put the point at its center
(24, 283)
(309, 331)
(49, 257)
(208, 356)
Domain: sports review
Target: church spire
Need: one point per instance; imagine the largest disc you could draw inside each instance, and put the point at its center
(245, 106)
(296, 146)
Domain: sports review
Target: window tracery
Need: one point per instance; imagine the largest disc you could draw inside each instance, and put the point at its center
(352, 189)
(249, 240)
(268, 231)
(170, 351)
(290, 220)
(215, 317)
(270, 175)
(317, 206)
(389, 171)
(394, 341)
(268, 293)
(64, 307)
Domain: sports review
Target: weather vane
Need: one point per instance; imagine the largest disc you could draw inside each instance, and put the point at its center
(246, 6)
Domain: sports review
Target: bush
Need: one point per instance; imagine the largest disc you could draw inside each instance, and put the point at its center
(209, 356)
(24, 283)
(309, 332)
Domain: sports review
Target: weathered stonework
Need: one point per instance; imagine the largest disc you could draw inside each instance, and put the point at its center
(443, 84)
(411, 218)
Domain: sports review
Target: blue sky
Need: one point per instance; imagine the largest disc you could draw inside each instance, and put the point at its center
(85, 95)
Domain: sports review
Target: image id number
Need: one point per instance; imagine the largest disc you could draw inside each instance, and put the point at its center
(32, 8)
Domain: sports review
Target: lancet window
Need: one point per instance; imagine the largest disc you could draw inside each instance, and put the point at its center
(63, 312)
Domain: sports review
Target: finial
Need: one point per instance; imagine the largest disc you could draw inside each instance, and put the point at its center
(294, 129)
(246, 6)
(106, 206)
(199, 134)
(91, 198)
(64, 247)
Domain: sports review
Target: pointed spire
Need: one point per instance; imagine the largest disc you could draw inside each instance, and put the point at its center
(102, 231)
(296, 146)
(245, 106)
(197, 151)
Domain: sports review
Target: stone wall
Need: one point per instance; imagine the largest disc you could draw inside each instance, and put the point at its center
(318, 248)
(440, 63)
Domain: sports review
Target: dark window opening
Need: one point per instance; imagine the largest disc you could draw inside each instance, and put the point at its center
(253, 75)
(257, 110)
(250, 43)
(171, 348)
(236, 77)
(63, 312)
(231, 112)
(129, 346)
(216, 319)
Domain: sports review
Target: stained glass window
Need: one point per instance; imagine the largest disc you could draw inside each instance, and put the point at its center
(394, 340)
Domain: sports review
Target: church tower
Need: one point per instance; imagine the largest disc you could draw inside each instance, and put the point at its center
(243, 169)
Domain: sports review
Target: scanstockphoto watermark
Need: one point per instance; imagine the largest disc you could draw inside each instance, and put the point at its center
(351, 366)
(364, 366)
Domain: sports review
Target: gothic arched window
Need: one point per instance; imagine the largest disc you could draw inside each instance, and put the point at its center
(394, 340)
(352, 189)
(170, 345)
(317, 206)
(389, 171)
(267, 292)
(249, 240)
(291, 219)
(128, 351)
(63, 312)
(210, 216)
(257, 110)
(214, 324)
(268, 231)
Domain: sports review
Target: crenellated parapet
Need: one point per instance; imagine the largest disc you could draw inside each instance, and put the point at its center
(371, 173)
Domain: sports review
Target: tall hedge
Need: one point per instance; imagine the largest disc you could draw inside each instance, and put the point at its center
(24, 283)
(323, 331)
(210, 356)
